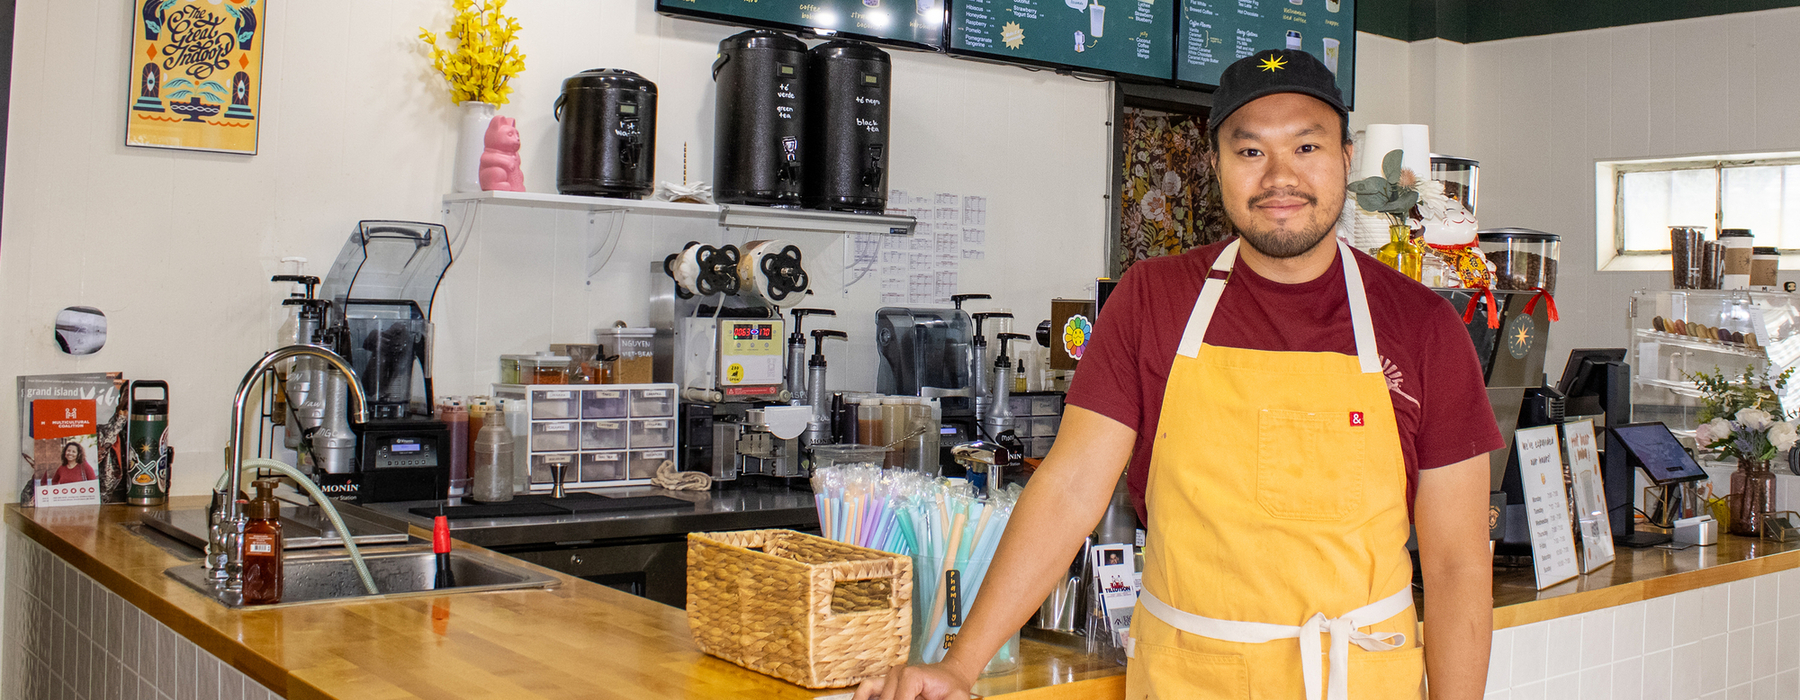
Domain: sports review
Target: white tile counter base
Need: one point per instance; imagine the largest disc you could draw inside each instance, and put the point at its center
(69, 638)
(1732, 641)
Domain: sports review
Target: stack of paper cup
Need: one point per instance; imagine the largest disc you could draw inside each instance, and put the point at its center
(1413, 139)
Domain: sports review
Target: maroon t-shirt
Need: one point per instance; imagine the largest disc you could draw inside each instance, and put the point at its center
(1425, 351)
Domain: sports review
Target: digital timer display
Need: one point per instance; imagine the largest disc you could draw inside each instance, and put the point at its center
(758, 332)
(401, 447)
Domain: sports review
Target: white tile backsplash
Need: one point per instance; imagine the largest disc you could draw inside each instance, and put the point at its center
(1742, 605)
(1628, 632)
(70, 638)
(1725, 641)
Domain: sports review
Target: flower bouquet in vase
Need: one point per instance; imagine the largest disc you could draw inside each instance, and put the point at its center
(1741, 417)
(478, 57)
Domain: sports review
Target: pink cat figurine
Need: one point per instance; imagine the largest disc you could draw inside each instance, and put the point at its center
(500, 168)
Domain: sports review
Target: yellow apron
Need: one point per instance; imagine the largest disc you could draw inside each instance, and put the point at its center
(1277, 516)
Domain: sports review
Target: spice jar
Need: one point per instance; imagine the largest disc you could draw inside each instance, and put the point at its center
(1765, 262)
(1523, 259)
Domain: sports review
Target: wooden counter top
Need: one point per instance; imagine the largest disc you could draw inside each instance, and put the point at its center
(586, 640)
(580, 640)
(1638, 574)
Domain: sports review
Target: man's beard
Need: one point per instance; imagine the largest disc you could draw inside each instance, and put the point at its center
(1283, 243)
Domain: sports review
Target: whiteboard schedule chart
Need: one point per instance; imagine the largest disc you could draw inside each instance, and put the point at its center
(1553, 556)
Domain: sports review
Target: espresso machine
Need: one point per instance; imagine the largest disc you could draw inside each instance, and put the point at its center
(1512, 363)
(375, 310)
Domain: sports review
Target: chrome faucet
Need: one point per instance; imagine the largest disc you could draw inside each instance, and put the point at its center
(225, 546)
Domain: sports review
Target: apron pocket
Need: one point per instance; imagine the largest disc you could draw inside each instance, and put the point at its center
(1167, 673)
(1388, 674)
(1309, 466)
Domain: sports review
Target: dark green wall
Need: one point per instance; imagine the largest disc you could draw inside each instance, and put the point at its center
(1469, 21)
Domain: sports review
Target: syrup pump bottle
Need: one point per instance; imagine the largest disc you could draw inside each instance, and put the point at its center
(796, 356)
(262, 546)
(981, 383)
(818, 430)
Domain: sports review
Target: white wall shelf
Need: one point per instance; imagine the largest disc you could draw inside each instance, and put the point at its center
(727, 215)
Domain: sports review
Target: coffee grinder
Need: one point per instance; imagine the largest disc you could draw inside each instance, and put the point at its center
(379, 293)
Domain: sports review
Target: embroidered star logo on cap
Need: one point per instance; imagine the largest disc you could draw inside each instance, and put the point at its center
(1270, 72)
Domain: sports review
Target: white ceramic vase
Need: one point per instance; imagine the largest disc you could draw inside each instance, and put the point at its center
(471, 139)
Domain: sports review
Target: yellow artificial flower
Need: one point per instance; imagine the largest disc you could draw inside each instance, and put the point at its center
(482, 58)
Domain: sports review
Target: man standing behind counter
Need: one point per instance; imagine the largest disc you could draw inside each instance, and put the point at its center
(1286, 413)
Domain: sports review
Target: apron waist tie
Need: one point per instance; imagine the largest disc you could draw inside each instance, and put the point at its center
(1343, 631)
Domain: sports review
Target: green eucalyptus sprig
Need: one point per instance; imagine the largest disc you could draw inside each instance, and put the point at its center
(1390, 194)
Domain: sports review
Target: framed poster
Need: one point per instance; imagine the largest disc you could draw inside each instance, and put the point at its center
(197, 66)
(1589, 495)
(1547, 505)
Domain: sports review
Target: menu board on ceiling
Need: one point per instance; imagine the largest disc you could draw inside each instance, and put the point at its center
(1122, 37)
(1214, 33)
(906, 22)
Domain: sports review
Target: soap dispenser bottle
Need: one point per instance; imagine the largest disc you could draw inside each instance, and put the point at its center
(262, 547)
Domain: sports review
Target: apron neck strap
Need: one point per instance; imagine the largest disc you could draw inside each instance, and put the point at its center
(1367, 356)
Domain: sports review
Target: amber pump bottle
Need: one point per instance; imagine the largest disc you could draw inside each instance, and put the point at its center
(262, 547)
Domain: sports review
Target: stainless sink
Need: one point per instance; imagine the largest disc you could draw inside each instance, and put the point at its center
(323, 576)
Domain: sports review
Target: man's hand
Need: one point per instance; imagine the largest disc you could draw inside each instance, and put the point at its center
(932, 682)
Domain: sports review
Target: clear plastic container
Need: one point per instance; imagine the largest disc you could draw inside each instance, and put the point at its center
(658, 432)
(1524, 259)
(1038, 447)
(644, 462)
(554, 404)
(603, 435)
(518, 421)
(1023, 427)
(1020, 405)
(544, 368)
(543, 474)
(1045, 426)
(652, 403)
(509, 369)
(837, 455)
(1046, 405)
(605, 403)
(555, 436)
(491, 464)
(868, 422)
(602, 466)
(635, 349)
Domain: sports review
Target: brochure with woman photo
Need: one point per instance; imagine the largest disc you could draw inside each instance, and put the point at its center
(71, 437)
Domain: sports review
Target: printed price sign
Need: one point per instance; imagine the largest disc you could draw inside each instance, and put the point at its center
(1547, 505)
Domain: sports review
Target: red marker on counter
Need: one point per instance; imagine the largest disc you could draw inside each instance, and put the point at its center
(440, 545)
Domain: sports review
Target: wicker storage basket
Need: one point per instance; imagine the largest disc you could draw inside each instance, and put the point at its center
(805, 609)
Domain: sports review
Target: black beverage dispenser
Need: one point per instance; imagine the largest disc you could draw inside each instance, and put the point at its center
(847, 154)
(760, 120)
(607, 137)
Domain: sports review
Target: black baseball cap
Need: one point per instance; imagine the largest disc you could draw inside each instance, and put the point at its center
(1270, 72)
